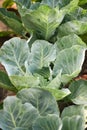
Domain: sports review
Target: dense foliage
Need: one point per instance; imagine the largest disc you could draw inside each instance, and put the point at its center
(42, 66)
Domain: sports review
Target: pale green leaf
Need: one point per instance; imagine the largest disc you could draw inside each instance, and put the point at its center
(74, 26)
(42, 53)
(73, 116)
(73, 111)
(78, 92)
(69, 61)
(74, 122)
(56, 82)
(51, 3)
(27, 81)
(74, 22)
(77, 14)
(15, 114)
(50, 122)
(68, 41)
(61, 3)
(44, 72)
(13, 56)
(57, 93)
(23, 3)
(69, 5)
(41, 99)
(43, 21)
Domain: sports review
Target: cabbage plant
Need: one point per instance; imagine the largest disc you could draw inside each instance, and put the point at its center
(41, 69)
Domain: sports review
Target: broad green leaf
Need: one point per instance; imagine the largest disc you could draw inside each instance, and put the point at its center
(12, 21)
(23, 3)
(45, 72)
(13, 55)
(15, 114)
(73, 116)
(50, 122)
(42, 53)
(43, 81)
(41, 99)
(26, 5)
(73, 111)
(27, 81)
(77, 14)
(57, 93)
(74, 122)
(74, 22)
(68, 41)
(56, 82)
(35, 5)
(60, 3)
(79, 92)
(51, 3)
(69, 61)
(74, 26)
(5, 82)
(53, 87)
(69, 5)
(43, 21)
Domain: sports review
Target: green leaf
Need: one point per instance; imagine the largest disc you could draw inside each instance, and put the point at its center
(69, 62)
(35, 5)
(68, 41)
(73, 116)
(43, 21)
(42, 100)
(73, 111)
(8, 3)
(51, 3)
(27, 81)
(15, 114)
(5, 82)
(61, 4)
(13, 55)
(82, 2)
(69, 5)
(5, 33)
(42, 53)
(77, 14)
(23, 3)
(74, 122)
(50, 122)
(44, 72)
(20, 128)
(78, 92)
(74, 26)
(57, 93)
(56, 82)
(74, 22)
(12, 21)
